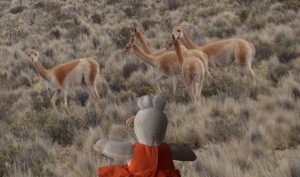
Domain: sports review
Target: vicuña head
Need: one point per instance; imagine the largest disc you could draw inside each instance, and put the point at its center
(178, 31)
(60, 78)
(33, 55)
(128, 47)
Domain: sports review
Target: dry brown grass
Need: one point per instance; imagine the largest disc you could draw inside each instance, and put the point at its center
(234, 131)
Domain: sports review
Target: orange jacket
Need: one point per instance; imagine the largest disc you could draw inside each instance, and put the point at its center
(147, 161)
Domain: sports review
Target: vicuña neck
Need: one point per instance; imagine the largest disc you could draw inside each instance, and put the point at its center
(145, 46)
(178, 51)
(145, 57)
(188, 42)
(40, 69)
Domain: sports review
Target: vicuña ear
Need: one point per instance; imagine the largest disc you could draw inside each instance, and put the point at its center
(145, 102)
(173, 37)
(159, 101)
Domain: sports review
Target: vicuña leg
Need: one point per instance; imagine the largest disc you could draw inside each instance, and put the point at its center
(93, 94)
(158, 82)
(55, 97)
(173, 84)
(190, 90)
(247, 70)
(64, 97)
(198, 90)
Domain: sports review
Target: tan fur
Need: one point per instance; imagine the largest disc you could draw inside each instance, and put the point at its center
(61, 71)
(192, 70)
(93, 72)
(223, 53)
(64, 76)
(139, 36)
(164, 66)
(165, 62)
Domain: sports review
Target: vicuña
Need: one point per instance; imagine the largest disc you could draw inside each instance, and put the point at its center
(224, 52)
(60, 78)
(192, 69)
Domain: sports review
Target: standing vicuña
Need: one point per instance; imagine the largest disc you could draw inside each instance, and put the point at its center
(164, 66)
(192, 69)
(60, 78)
(223, 53)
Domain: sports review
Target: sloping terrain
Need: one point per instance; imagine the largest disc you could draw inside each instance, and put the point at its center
(233, 131)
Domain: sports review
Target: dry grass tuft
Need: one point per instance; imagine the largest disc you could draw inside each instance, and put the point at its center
(234, 131)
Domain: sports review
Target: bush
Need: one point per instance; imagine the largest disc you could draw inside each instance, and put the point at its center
(276, 73)
(75, 31)
(134, 8)
(221, 29)
(40, 100)
(291, 4)
(147, 23)
(264, 50)
(39, 5)
(16, 10)
(129, 68)
(144, 90)
(243, 14)
(81, 97)
(112, 2)
(173, 4)
(286, 54)
(7, 155)
(121, 36)
(62, 129)
(56, 34)
(96, 18)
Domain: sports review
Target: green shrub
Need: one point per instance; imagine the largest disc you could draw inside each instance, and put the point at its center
(56, 34)
(81, 96)
(116, 82)
(40, 100)
(74, 31)
(290, 4)
(243, 14)
(277, 72)
(296, 93)
(221, 29)
(39, 5)
(121, 36)
(264, 50)
(112, 2)
(129, 68)
(97, 18)
(96, 42)
(173, 4)
(225, 125)
(16, 10)
(286, 54)
(144, 90)
(7, 155)
(62, 129)
(147, 23)
(134, 7)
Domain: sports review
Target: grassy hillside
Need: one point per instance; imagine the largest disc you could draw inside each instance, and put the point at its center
(234, 131)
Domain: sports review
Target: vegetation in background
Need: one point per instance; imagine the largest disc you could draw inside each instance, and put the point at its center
(234, 131)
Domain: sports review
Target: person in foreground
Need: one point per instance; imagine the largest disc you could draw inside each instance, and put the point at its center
(150, 156)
